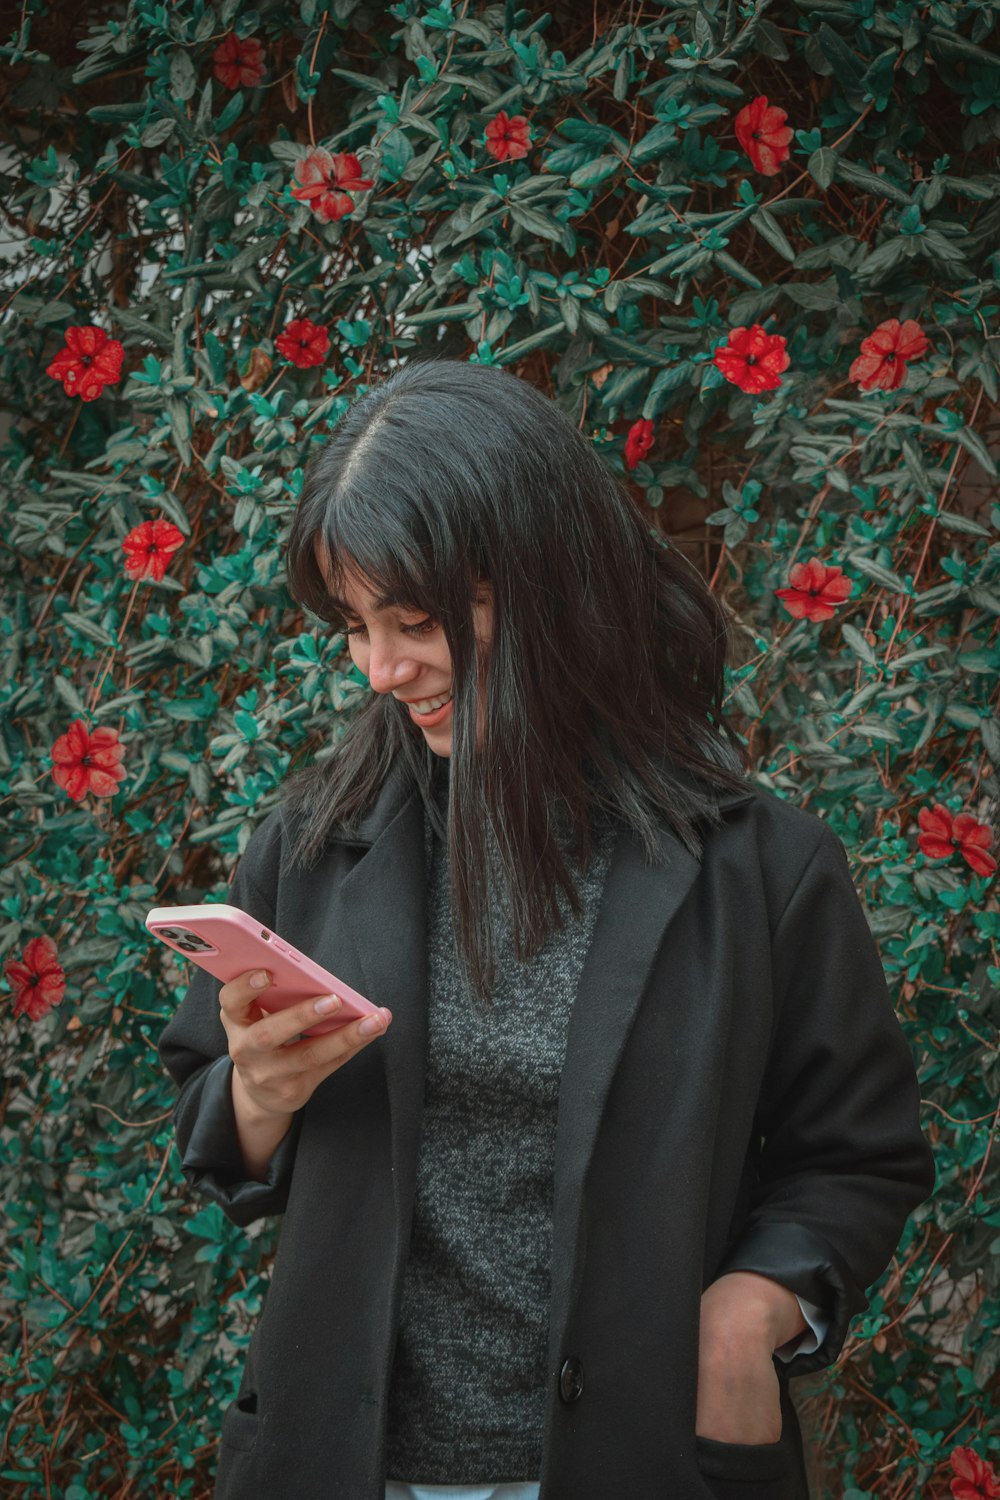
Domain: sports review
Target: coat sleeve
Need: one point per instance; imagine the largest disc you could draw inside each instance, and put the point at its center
(843, 1160)
(194, 1049)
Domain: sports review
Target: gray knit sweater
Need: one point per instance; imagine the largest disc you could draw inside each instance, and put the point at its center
(467, 1390)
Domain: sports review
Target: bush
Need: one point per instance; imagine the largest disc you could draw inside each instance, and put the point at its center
(755, 256)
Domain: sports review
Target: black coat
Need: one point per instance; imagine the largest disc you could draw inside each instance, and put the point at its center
(737, 1095)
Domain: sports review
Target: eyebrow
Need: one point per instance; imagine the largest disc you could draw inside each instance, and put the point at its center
(382, 602)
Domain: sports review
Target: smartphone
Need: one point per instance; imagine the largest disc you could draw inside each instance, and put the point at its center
(227, 942)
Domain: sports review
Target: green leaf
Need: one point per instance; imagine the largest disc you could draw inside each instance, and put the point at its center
(753, 306)
(913, 459)
(589, 132)
(735, 268)
(114, 114)
(246, 724)
(180, 425)
(218, 357)
(539, 340)
(183, 79)
(452, 312)
(873, 182)
(65, 690)
(71, 619)
(664, 384)
(654, 143)
(974, 444)
(822, 166)
(769, 229)
(231, 113)
(858, 644)
(397, 153)
(877, 729)
(622, 386)
(875, 570)
(887, 255)
(593, 172)
(565, 159)
(536, 222)
(847, 67)
(768, 39)
(955, 521)
(817, 296)
(366, 82)
(131, 323)
(159, 131)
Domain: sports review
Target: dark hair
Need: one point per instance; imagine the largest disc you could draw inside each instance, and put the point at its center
(604, 678)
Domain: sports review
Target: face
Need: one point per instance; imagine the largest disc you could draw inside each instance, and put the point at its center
(404, 652)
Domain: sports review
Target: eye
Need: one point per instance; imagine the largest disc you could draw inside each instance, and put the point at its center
(423, 627)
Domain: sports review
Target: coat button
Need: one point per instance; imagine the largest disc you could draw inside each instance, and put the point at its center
(571, 1379)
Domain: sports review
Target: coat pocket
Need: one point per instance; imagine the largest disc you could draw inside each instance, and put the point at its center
(747, 1471)
(240, 1423)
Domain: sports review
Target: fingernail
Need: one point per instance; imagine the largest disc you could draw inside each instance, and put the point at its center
(370, 1025)
(328, 1003)
(259, 979)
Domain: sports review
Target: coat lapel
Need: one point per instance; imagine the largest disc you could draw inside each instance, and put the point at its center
(383, 898)
(384, 903)
(639, 902)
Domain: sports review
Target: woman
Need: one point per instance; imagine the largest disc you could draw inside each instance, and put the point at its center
(639, 1125)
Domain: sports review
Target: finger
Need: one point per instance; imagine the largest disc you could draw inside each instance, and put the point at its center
(359, 1033)
(283, 1027)
(308, 1012)
(238, 995)
(337, 1046)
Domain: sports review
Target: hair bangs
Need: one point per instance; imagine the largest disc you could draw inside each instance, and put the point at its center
(384, 547)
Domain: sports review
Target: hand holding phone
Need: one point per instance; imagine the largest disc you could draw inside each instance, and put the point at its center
(278, 1072)
(277, 1039)
(228, 942)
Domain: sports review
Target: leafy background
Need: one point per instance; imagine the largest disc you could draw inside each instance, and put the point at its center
(157, 682)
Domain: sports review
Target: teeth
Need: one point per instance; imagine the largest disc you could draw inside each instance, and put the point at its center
(430, 703)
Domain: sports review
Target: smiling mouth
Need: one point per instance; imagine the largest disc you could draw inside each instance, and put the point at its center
(431, 713)
(414, 703)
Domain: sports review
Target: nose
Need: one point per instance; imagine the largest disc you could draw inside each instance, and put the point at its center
(389, 670)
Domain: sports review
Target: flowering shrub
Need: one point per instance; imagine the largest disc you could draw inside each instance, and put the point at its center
(753, 359)
(508, 139)
(326, 181)
(882, 363)
(754, 254)
(761, 131)
(88, 362)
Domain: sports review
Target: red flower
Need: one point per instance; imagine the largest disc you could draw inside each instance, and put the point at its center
(36, 978)
(87, 760)
(762, 132)
(884, 353)
(975, 1478)
(508, 138)
(324, 179)
(638, 442)
(237, 62)
(88, 362)
(753, 359)
(148, 547)
(303, 342)
(942, 834)
(815, 591)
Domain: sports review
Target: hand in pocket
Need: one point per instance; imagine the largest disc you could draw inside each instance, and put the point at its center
(739, 1398)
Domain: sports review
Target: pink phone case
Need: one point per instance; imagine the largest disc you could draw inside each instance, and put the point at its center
(227, 942)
